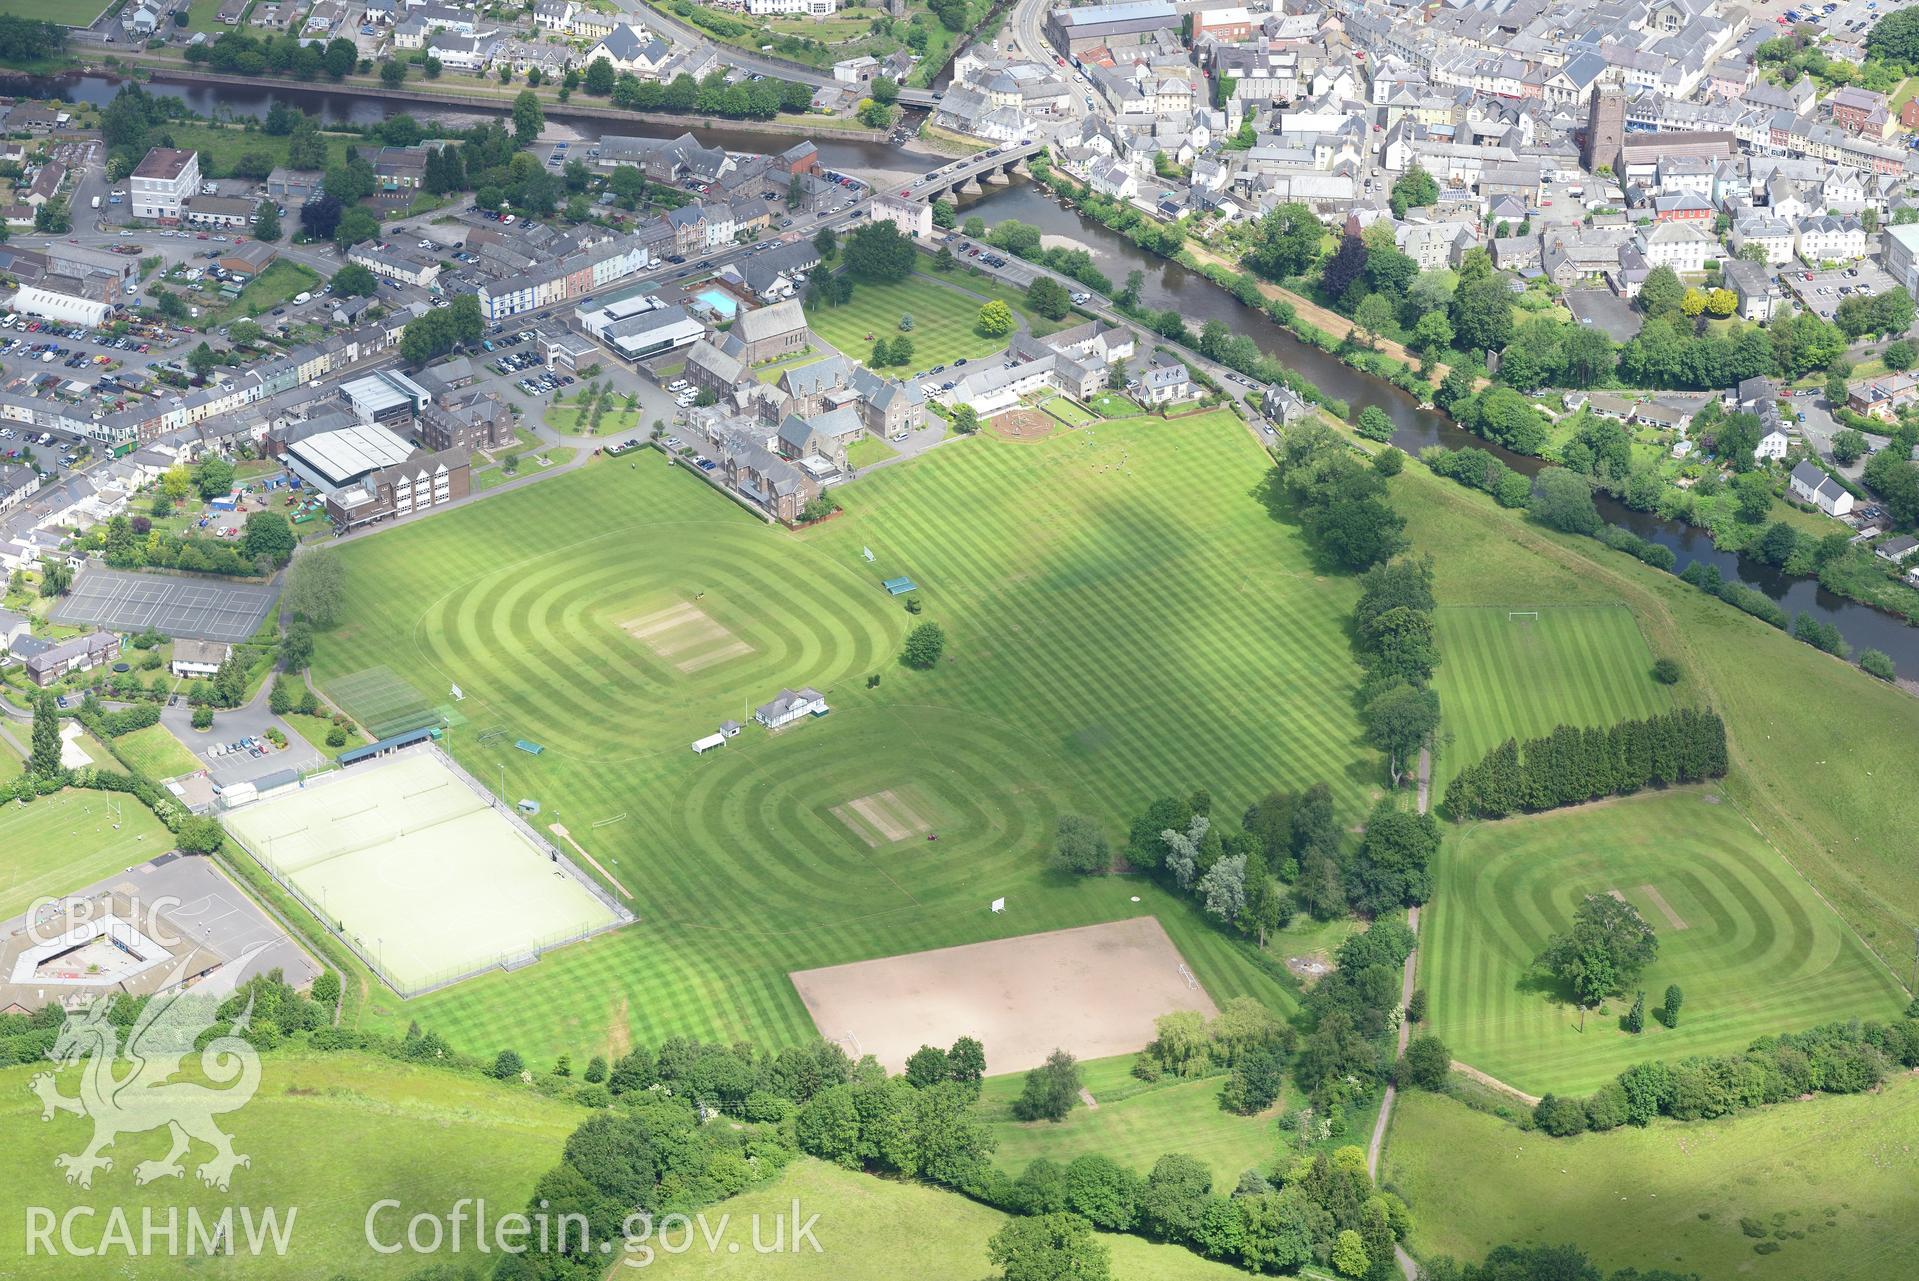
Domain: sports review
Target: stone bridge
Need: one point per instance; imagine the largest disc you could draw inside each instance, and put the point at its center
(963, 177)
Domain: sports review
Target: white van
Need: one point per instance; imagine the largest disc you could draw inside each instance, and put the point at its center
(302, 298)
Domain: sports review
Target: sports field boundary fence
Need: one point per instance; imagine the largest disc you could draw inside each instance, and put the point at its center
(522, 953)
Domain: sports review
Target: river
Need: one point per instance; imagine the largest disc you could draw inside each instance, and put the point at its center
(1167, 285)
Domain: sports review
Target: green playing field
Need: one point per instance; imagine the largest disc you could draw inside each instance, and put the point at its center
(1753, 947)
(1520, 672)
(68, 13)
(60, 843)
(944, 314)
(616, 614)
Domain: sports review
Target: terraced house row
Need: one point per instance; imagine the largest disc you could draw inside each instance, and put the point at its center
(571, 277)
(301, 367)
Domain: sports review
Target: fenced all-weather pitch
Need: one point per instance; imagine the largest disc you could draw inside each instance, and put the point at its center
(177, 606)
(421, 873)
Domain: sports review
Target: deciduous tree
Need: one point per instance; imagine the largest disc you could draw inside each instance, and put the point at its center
(1604, 952)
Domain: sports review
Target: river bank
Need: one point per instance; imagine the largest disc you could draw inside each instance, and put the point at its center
(1169, 285)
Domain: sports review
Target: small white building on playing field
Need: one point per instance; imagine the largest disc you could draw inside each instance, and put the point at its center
(790, 706)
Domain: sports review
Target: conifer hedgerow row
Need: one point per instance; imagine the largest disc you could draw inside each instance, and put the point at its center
(1572, 765)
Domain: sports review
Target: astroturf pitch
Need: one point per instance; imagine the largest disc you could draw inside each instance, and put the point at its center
(1519, 672)
(1121, 625)
(1753, 948)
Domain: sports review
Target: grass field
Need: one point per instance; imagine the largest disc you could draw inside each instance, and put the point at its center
(1749, 942)
(1110, 404)
(1837, 1171)
(741, 872)
(220, 145)
(1504, 677)
(68, 13)
(328, 1134)
(1135, 1124)
(155, 752)
(867, 1226)
(1070, 412)
(944, 312)
(280, 281)
(1810, 769)
(868, 450)
(59, 843)
(314, 730)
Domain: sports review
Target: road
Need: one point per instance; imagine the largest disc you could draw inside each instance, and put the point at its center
(1024, 30)
(777, 68)
(1020, 273)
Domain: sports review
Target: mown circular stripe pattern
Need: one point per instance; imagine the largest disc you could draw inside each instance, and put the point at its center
(1759, 953)
(1123, 623)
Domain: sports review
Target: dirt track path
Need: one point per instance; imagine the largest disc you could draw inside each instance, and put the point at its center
(1494, 1083)
(1407, 1265)
(1313, 314)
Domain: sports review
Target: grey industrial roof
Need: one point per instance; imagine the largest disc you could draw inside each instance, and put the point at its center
(339, 456)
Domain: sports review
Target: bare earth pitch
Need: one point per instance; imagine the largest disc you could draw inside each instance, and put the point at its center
(1092, 991)
(1023, 424)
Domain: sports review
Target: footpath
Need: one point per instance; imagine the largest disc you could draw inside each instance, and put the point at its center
(1407, 1265)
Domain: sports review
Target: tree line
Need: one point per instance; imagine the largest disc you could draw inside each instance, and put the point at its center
(1245, 1040)
(1538, 1263)
(1397, 642)
(23, 40)
(1562, 499)
(1572, 765)
(1339, 500)
(1288, 853)
(42, 774)
(1836, 1058)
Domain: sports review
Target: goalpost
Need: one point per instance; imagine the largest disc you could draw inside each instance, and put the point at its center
(1522, 615)
(1187, 974)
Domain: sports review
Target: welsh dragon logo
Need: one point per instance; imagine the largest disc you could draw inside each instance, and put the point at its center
(145, 1097)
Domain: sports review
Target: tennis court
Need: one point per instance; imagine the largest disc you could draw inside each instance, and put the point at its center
(423, 875)
(176, 606)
